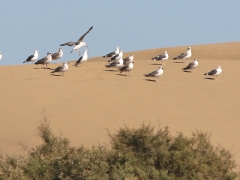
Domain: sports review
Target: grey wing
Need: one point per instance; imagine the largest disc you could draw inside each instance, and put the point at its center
(123, 68)
(30, 58)
(55, 55)
(212, 72)
(190, 65)
(70, 43)
(41, 61)
(153, 73)
(182, 55)
(160, 57)
(59, 69)
(81, 38)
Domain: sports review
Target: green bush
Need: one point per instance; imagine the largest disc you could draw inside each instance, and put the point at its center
(138, 153)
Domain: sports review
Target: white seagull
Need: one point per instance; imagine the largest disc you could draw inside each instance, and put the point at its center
(62, 68)
(117, 56)
(111, 54)
(191, 66)
(46, 60)
(128, 59)
(184, 55)
(57, 55)
(33, 57)
(0, 55)
(83, 58)
(78, 44)
(116, 63)
(127, 68)
(156, 73)
(161, 57)
(214, 72)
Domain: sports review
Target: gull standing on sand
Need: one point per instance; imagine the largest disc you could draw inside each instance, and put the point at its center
(111, 54)
(184, 55)
(127, 68)
(78, 44)
(62, 68)
(116, 63)
(128, 59)
(156, 73)
(117, 56)
(83, 58)
(57, 55)
(161, 57)
(45, 61)
(32, 58)
(214, 72)
(191, 66)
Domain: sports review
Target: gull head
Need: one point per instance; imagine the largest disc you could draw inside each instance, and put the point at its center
(219, 67)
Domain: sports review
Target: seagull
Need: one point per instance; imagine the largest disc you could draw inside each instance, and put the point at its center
(184, 55)
(46, 60)
(79, 43)
(191, 66)
(62, 68)
(156, 73)
(57, 55)
(214, 72)
(83, 58)
(127, 68)
(116, 63)
(161, 57)
(111, 54)
(117, 56)
(33, 57)
(0, 55)
(128, 59)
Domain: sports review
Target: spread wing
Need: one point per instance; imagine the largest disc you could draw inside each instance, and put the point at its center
(81, 38)
(70, 43)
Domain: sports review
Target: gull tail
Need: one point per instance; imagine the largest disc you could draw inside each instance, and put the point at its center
(71, 51)
(146, 75)
(175, 58)
(205, 74)
(24, 61)
(107, 66)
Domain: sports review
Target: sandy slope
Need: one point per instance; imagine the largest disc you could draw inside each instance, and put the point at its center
(91, 99)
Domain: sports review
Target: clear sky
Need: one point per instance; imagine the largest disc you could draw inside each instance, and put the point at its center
(29, 25)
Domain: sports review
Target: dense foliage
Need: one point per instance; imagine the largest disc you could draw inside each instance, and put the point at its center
(141, 153)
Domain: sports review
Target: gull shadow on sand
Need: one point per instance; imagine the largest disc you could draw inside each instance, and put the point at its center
(155, 64)
(151, 80)
(110, 70)
(44, 68)
(56, 74)
(121, 74)
(179, 62)
(209, 78)
(188, 71)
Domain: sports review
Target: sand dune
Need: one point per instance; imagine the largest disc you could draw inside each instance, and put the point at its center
(92, 98)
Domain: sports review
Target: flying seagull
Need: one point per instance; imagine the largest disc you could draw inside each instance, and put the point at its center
(111, 54)
(117, 56)
(116, 63)
(127, 68)
(33, 57)
(46, 60)
(214, 72)
(128, 59)
(161, 57)
(184, 55)
(79, 43)
(83, 58)
(62, 68)
(156, 73)
(57, 55)
(191, 66)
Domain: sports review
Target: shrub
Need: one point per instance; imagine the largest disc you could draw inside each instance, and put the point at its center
(139, 153)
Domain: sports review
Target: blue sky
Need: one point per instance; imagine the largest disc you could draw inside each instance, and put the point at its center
(28, 25)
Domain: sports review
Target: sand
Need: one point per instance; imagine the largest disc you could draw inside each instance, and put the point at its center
(91, 99)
